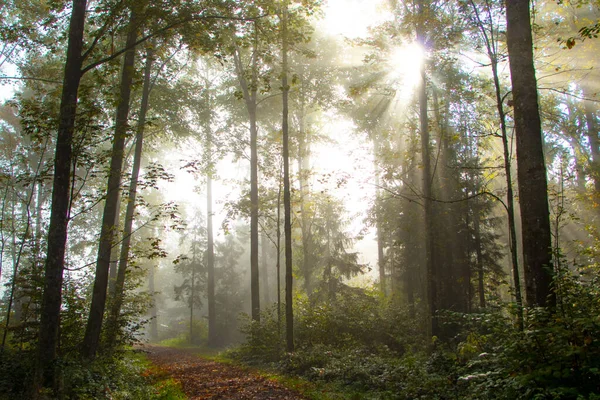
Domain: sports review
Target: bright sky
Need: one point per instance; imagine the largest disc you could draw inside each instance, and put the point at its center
(352, 18)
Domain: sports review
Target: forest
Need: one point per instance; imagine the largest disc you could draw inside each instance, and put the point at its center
(391, 199)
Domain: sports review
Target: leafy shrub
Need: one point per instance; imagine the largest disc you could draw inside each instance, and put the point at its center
(357, 318)
(15, 372)
(557, 356)
(116, 378)
(381, 375)
(263, 343)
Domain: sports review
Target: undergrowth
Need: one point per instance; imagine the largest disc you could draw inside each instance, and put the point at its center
(129, 376)
(359, 347)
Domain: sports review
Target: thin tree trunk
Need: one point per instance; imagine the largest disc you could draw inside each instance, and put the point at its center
(114, 256)
(592, 134)
(378, 227)
(492, 52)
(278, 264)
(265, 266)
(154, 308)
(91, 339)
(479, 256)
(193, 290)
(123, 261)
(210, 249)
(250, 92)
(254, 273)
(289, 311)
(305, 223)
(57, 232)
(427, 181)
(531, 167)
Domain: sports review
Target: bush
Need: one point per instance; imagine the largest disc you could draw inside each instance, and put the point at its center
(357, 318)
(263, 343)
(381, 375)
(15, 372)
(116, 378)
(557, 356)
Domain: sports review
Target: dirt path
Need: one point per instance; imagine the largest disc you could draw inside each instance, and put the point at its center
(205, 379)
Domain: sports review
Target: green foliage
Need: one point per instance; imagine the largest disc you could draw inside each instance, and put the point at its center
(15, 372)
(356, 318)
(380, 375)
(127, 377)
(363, 345)
(264, 343)
(557, 355)
(122, 378)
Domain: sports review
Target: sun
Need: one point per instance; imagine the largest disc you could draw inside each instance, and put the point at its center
(405, 63)
(404, 67)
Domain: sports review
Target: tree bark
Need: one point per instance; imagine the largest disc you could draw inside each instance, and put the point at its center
(94, 325)
(492, 52)
(210, 246)
(250, 92)
(57, 232)
(591, 119)
(265, 269)
(531, 168)
(479, 255)
(114, 256)
(123, 261)
(431, 273)
(303, 161)
(289, 311)
(154, 308)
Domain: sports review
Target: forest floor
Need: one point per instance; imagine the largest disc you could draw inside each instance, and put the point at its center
(202, 378)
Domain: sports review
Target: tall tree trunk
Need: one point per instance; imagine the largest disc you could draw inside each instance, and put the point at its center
(591, 119)
(114, 256)
(254, 273)
(531, 168)
(289, 311)
(250, 93)
(153, 308)
(57, 232)
(431, 273)
(123, 261)
(303, 161)
(491, 39)
(378, 222)
(278, 262)
(210, 246)
(265, 267)
(479, 255)
(193, 290)
(94, 325)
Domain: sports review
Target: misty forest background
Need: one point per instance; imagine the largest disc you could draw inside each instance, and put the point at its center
(404, 211)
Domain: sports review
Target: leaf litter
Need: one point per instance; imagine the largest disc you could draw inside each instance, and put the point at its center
(202, 379)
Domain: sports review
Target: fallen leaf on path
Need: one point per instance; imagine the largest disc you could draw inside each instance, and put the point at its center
(203, 379)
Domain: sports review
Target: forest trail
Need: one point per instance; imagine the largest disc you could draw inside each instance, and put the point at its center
(206, 379)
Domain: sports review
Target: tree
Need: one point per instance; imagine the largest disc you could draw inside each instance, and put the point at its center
(489, 32)
(289, 311)
(431, 273)
(531, 167)
(249, 91)
(91, 339)
(193, 282)
(117, 301)
(57, 232)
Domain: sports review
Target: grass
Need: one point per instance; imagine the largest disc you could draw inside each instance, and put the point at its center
(165, 388)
